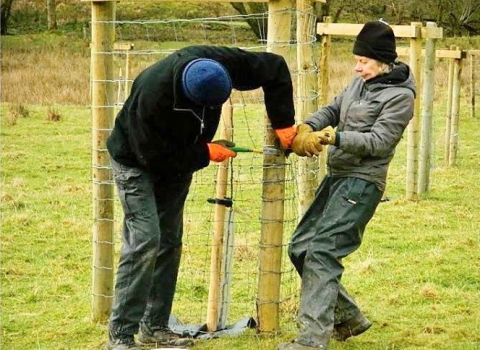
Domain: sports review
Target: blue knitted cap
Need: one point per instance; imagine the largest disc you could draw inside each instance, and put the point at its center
(206, 82)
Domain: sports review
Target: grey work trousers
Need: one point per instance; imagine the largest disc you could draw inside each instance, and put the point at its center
(331, 229)
(151, 247)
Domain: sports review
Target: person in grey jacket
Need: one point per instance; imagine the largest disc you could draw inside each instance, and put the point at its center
(370, 116)
(162, 135)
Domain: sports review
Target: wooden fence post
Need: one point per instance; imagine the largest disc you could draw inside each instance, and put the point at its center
(307, 179)
(413, 126)
(473, 79)
(457, 70)
(102, 91)
(273, 191)
(427, 113)
(326, 44)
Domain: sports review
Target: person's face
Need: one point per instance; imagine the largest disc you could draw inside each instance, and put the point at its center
(366, 67)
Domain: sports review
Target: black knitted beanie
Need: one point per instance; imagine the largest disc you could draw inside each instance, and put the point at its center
(376, 40)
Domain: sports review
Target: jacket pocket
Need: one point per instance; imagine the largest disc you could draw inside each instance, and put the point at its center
(356, 189)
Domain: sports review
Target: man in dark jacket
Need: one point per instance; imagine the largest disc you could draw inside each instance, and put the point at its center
(161, 136)
(370, 115)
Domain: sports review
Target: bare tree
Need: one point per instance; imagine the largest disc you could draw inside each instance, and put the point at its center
(6, 8)
(354, 10)
(465, 17)
(331, 8)
(457, 17)
(51, 14)
(255, 16)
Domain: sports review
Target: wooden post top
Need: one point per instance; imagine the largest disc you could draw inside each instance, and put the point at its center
(401, 31)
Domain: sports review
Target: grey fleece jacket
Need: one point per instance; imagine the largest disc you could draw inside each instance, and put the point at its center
(370, 117)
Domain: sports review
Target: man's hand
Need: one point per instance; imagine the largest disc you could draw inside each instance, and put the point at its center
(219, 153)
(327, 136)
(286, 136)
(307, 142)
(224, 143)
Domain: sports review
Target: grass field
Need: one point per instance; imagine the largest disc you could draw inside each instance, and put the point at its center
(417, 275)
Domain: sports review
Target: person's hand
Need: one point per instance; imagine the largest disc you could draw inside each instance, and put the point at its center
(286, 136)
(218, 152)
(327, 136)
(298, 142)
(307, 142)
(224, 143)
(312, 145)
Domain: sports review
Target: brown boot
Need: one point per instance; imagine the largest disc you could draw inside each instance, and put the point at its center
(162, 336)
(352, 327)
(118, 341)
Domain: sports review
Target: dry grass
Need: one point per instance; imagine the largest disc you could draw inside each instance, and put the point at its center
(54, 70)
(15, 112)
(53, 115)
(45, 70)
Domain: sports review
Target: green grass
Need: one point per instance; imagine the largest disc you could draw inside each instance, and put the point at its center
(46, 244)
(416, 275)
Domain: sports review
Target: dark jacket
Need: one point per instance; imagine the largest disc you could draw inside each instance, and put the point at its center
(160, 130)
(370, 118)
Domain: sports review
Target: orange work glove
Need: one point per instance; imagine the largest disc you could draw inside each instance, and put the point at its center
(219, 153)
(286, 136)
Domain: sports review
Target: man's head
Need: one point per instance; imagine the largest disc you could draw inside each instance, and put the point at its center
(206, 82)
(376, 40)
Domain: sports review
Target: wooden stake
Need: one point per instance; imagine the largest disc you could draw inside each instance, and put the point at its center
(219, 226)
(448, 116)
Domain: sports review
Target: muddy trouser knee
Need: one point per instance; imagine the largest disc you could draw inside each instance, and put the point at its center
(151, 245)
(331, 229)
